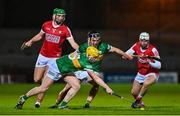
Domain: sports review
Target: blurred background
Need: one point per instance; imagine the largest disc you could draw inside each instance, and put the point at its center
(119, 21)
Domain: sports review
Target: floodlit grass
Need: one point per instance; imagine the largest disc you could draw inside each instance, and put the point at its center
(161, 99)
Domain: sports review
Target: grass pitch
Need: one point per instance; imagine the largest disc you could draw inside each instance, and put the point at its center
(161, 99)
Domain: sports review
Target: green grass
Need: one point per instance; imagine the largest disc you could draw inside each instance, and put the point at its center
(161, 99)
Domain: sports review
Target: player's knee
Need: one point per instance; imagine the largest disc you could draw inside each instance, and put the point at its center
(37, 80)
(62, 91)
(133, 93)
(76, 86)
(96, 87)
(43, 89)
(146, 84)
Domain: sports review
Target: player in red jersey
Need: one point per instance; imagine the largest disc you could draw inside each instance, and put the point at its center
(148, 73)
(54, 33)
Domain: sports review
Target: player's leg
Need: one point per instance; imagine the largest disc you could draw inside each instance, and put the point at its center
(39, 71)
(136, 87)
(75, 86)
(52, 75)
(40, 68)
(81, 75)
(42, 62)
(61, 96)
(38, 74)
(40, 96)
(92, 93)
(150, 80)
(42, 88)
(84, 77)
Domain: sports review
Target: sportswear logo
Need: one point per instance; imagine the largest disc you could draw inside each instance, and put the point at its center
(48, 29)
(41, 63)
(100, 52)
(53, 30)
(52, 38)
(51, 73)
(89, 66)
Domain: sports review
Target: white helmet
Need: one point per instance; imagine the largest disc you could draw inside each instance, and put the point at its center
(144, 36)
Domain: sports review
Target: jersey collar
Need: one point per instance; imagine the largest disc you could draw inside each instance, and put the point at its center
(56, 26)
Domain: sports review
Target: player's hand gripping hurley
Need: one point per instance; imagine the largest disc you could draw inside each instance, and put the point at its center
(150, 57)
(121, 97)
(26, 44)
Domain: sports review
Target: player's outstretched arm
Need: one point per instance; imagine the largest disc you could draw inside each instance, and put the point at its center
(100, 82)
(120, 52)
(73, 43)
(36, 38)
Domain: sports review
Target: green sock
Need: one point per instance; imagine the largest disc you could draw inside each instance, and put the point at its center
(88, 102)
(63, 103)
(25, 97)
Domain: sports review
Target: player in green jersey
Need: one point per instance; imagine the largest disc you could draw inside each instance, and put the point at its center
(94, 39)
(64, 65)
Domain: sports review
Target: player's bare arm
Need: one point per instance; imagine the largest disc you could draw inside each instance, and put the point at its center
(99, 81)
(36, 38)
(73, 43)
(120, 52)
(29, 43)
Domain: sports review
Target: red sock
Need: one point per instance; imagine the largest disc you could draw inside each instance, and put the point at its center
(138, 98)
(135, 96)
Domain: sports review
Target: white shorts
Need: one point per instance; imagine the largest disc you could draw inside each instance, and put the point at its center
(43, 61)
(83, 75)
(53, 71)
(141, 78)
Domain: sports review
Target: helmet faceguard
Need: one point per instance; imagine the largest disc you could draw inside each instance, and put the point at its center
(59, 16)
(144, 40)
(144, 36)
(94, 38)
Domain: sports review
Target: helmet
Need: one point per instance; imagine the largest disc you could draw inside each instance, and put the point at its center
(59, 11)
(144, 36)
(93, 35)
(92, 52)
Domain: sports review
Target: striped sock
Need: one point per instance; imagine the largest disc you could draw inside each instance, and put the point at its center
(63, 103)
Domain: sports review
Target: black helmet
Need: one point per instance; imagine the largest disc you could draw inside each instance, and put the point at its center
(93, 34)
(93, 38)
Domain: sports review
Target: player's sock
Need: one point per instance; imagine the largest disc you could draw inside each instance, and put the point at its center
(87, 104)
(37, 104)
(138, 98)
(57, 103)
(25, 97)
(63, 105)
(135, 96)
(21, 101)
(137, 103)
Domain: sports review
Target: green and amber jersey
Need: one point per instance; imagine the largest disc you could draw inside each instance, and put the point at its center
(74, 62)
(103, 49)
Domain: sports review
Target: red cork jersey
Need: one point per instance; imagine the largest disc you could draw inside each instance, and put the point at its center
(145, 68)
(53, 39)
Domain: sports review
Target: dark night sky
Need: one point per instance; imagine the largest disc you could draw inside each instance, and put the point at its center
(120, 21)
(102, 14)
